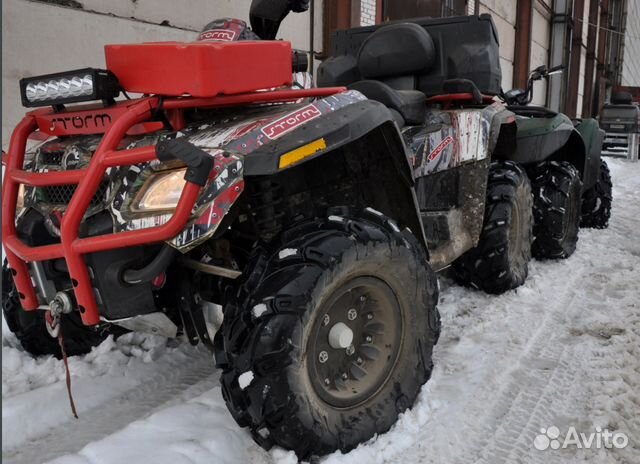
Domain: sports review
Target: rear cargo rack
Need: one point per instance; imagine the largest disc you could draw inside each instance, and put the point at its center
(115, 122)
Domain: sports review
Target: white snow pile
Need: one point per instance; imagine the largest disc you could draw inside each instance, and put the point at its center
(561, 351)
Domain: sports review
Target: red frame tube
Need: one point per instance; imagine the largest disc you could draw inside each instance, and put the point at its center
(72, 248)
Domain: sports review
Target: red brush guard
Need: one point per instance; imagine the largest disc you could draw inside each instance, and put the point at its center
(115, 122)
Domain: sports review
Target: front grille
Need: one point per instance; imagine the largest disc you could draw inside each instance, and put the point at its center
(61, 194)
(51, 158)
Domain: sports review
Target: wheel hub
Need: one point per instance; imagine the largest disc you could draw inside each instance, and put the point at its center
(340, 336)
(354, 342)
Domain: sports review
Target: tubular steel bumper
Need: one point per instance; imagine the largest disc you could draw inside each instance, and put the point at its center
(122, 119)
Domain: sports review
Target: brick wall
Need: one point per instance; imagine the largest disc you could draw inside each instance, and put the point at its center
(368, 12)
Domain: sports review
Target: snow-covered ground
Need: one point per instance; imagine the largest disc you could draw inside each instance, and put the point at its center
(562, 351)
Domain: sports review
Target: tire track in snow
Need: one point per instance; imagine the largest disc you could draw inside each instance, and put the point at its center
(176, 383)
(545, 373)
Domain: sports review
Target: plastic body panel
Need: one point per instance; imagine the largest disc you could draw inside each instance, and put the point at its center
(539, 138)
(202, 69)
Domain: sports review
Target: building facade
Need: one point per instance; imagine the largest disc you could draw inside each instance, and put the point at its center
(590, 38)
(598, 41)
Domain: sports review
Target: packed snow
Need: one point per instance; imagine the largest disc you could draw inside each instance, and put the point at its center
(561, 352)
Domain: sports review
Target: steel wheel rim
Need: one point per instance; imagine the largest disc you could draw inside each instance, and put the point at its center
(371, 358)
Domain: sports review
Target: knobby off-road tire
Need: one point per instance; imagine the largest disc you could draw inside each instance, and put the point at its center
(281, 376)
(557, 199)
(596, 202)
(30, 329)
(500, 262)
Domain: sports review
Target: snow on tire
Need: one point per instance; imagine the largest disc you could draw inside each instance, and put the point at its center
(596, 202)
(500, 261)
(557, 191)
(344, 343)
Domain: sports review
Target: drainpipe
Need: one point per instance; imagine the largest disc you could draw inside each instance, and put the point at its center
(601, 80)
(559, 52)
(522, 53)
(573, 81)
(312, 17)
(587, 103)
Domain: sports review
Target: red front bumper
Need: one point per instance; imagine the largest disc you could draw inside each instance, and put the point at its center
(123, 118)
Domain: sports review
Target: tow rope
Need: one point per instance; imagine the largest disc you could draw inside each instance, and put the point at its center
(55, 330)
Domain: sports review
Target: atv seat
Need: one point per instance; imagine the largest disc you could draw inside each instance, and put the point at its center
(410, 104)
(390, 60)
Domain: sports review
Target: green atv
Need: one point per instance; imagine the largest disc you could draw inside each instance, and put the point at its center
(571, 183)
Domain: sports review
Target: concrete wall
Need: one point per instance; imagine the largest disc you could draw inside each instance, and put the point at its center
(504, 16)
(631, 58)
(41, 38)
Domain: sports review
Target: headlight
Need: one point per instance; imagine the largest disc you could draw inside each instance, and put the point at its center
(161, 192)
(69, 87)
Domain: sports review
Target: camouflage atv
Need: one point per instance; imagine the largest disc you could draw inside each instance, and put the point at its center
(315, 217)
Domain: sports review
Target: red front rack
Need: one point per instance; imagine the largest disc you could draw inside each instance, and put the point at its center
(123, 118)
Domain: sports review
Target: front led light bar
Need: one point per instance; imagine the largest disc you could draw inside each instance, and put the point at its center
(69, 87)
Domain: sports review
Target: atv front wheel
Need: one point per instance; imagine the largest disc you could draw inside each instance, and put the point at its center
(596, 202)
(330, 336)
(557, 191)
(500, 262)
(30, 327)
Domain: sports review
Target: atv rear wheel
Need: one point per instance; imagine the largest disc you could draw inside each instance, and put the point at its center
(330, 336)
(30, 328)
(500, 262)
(596, 202)
(557, 191)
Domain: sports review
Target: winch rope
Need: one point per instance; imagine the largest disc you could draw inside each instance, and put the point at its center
(68, 373)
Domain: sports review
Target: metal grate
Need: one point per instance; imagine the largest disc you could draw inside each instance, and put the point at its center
(62, 194)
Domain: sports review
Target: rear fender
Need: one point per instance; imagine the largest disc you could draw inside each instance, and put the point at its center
(556, 139)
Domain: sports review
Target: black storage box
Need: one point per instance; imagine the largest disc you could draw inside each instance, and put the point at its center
(467, 47)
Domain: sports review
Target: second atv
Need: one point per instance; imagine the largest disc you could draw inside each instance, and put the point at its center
(572, 183)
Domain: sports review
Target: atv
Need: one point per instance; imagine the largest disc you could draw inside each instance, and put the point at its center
(315, 217)
(571, 183)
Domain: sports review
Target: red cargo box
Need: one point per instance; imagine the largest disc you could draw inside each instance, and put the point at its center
(202, 69)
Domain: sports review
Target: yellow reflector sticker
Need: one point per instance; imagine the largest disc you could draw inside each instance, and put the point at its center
(301, 153)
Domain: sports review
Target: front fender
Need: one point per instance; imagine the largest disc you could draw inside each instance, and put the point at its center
(335, 129)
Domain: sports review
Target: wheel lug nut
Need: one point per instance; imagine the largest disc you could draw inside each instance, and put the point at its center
(369, 316)
(327, 381)
(368, 339)
(350, 350)
(359, 360)
(344, 376)
(363, 298)
(326, 319)
(352, 314)
(323, 357)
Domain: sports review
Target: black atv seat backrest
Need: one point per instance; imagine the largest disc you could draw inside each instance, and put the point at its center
(464, 47)
(396, 50)
(390, 61)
